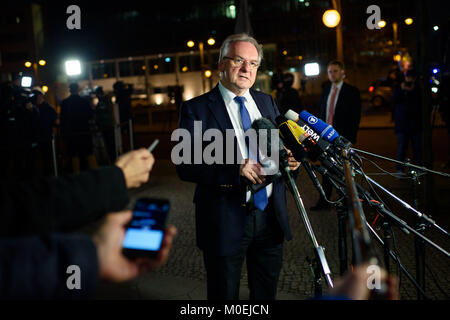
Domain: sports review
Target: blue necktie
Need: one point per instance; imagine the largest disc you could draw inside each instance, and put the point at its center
(260, 197)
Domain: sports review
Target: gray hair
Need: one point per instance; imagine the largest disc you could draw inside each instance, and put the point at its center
(240, 37)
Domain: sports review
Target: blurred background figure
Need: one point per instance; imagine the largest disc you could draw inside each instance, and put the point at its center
(76, 113)
(123, 93)
(46, 123)
(104, 118)
(123, 99)
(408, 118)
(286, 96)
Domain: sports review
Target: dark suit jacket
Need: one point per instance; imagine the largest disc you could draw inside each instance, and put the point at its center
(347, 112)
(220, 195)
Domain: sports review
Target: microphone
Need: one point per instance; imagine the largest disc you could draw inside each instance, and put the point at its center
(324, 130)
(300, 145)
(263, 128)
(289, 132)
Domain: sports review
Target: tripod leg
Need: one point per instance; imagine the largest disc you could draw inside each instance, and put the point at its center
(342, 238)
(420, 260)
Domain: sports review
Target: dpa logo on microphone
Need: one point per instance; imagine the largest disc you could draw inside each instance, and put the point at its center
(312, 120)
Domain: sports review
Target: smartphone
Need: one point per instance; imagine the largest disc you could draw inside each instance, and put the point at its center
(145, 231)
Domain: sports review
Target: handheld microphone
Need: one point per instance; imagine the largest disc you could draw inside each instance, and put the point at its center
(267, 163)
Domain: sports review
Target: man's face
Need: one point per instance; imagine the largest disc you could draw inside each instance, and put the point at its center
(235, 78)
(335, 73)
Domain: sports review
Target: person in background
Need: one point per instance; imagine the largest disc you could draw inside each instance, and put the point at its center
(76, 113)
(340, 107)
(46, 123)
(286, 96)
(408, 118)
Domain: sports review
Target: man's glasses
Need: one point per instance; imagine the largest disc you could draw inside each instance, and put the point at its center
(239, 62)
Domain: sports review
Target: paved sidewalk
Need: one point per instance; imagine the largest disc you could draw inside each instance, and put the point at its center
(183, 276)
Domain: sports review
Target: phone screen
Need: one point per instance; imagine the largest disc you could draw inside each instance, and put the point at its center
(146, 230)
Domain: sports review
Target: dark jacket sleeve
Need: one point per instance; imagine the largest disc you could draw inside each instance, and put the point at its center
(37, 267)
(61, 204)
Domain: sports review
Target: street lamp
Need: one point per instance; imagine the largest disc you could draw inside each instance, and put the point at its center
(331, 18)
(204, 74)
(409, 21)
(381, 23)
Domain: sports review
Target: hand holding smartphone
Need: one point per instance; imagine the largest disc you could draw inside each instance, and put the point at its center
(145, 232)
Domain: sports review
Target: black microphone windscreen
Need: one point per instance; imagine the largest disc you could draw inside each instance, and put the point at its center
(280, 119)
(266, 124)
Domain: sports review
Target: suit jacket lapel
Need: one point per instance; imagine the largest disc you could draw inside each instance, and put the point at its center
(218, 109)
(340, 98)
(263, 107)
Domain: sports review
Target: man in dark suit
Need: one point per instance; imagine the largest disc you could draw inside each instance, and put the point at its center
(340, 106)
(232, 224)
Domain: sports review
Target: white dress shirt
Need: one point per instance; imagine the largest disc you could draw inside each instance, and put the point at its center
(339, 87)
(235, 116)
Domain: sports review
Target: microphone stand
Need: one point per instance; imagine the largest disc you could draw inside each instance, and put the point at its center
(406, 164)
(419, 244)
(338, 183)
(318, 250)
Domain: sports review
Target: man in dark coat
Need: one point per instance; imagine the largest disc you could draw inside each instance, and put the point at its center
(340, 106)
(232, 224)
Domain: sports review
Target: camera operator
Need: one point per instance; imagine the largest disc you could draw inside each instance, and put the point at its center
(46, 122)
(407, 118)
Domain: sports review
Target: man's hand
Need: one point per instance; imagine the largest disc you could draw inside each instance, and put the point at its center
(253, 171)
(136, 166)
(113, 264)
(293, 164)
